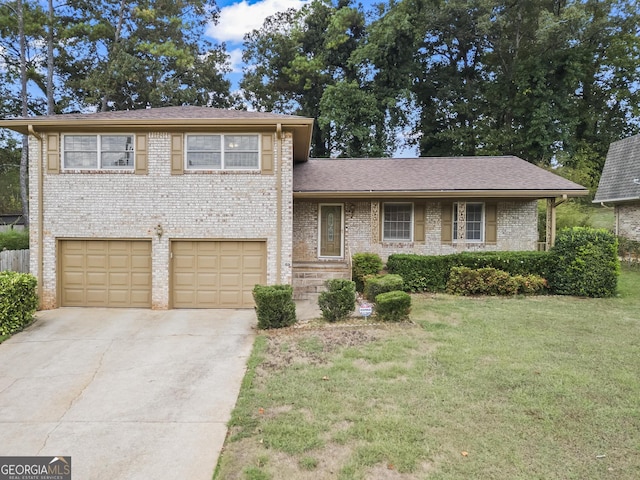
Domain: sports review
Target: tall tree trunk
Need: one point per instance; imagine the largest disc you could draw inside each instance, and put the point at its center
(24, 159)
(50, 38)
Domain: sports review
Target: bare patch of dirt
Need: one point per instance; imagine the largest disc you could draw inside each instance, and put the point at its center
(311, 346)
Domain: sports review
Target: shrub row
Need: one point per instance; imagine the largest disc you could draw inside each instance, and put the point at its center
(431, 273)
(583, 262)
(18, 301)
(489, 281)
(14, 240)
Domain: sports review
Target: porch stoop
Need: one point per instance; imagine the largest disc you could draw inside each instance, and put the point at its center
(309, 277)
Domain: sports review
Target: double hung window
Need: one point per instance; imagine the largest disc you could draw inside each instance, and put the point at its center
(98, 152)
(222, 152)
(474, 226)
(397, 223)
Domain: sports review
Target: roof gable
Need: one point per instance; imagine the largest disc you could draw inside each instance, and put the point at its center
(620, 178)
(431, 176)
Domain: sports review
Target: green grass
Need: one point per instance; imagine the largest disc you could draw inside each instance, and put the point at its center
(531, 387)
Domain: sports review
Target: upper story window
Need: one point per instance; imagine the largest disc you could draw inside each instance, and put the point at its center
(474, 224)
(222, 152)
(397, 224)
(95, 152)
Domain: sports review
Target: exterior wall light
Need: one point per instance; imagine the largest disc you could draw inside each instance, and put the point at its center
(159, 230)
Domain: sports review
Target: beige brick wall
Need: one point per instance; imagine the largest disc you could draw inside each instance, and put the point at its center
(628, 220)
(517, 230)
(219, 205)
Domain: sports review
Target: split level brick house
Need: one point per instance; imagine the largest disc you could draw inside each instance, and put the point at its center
(620, 186)
(190, 207)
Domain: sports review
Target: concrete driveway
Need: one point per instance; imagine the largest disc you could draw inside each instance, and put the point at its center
(128, 394)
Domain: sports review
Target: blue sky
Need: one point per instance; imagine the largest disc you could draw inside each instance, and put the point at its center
(237, 19)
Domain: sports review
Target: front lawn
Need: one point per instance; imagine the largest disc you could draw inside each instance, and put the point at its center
(501, 388)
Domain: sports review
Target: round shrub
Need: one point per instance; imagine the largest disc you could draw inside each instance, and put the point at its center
(339, 300)
(363, 265)
(275, 307)
(393, 306)
(374, 286)
(584, 262)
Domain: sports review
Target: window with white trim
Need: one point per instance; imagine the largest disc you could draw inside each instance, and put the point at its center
(222, 152)
(397, 222)
(98, 152)
(474, 231)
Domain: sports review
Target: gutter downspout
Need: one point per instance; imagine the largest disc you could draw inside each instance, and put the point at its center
(40, 213)
(279, 205)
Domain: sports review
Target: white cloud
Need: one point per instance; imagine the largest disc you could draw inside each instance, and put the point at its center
(235, 60)
(241, 18)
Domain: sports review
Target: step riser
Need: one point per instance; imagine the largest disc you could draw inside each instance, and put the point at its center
(308, 282)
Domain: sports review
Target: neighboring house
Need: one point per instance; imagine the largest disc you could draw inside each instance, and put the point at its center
(620, 186)
(190, 207)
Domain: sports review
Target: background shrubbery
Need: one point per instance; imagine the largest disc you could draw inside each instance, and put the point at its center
(14, 240)
(431, 273)
(18, 301)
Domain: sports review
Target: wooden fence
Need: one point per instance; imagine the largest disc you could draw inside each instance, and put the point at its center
(15, 260)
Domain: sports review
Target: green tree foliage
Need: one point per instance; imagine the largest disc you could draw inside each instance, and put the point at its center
(304, 62)
(548, 81)
(151, 53)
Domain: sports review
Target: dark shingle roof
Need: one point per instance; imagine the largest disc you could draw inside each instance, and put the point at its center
(620, 170)
(165, 113)
(434, 175)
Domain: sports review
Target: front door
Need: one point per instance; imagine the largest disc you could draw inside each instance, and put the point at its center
(331, 230)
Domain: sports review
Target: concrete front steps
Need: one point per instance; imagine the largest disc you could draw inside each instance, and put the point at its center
(309, 277)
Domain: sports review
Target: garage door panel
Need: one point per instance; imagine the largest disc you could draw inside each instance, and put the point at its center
(73, 279)
(226, 272)
(231, 262)
(253, 262)
(119, 262)
(140, 280)
(119, 279)
(96, 279)
(97, 261)
(184, 262)
(207, 280)
(207, 262)
(230, 299)
(110, 273)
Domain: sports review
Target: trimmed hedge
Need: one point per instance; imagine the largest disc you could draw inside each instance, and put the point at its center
(431, 272)
(393, 306)
(339, 300)
(18, 301)
(364, 265)
(14, 240)
(489, 281)
(374, 286)
(584, 263)
(275, 307)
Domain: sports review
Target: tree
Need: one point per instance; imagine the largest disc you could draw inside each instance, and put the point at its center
(551, 81)
(149, 54)
(304, 62)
